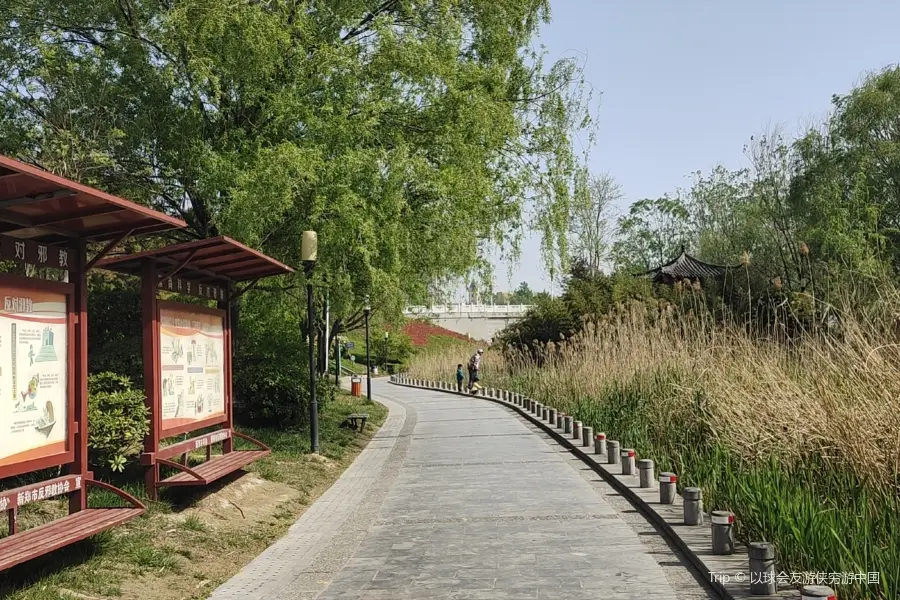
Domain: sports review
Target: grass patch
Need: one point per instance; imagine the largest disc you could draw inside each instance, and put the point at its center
(192, 540)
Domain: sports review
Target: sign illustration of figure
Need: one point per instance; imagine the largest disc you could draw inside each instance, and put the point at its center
(177, 351)
(28, 394)
(45, 423)
(31, 355)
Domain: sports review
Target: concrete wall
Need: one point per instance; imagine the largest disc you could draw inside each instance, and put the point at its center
(477, 326)
(478, 321)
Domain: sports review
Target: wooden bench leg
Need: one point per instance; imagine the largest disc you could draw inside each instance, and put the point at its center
(13, 521)
(151, 477)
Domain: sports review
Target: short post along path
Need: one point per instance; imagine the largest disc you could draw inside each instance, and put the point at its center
(460, 498)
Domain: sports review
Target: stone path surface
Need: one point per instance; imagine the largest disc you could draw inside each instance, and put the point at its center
(459, 498)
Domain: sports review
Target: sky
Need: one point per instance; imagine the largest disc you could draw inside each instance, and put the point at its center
(684, 84)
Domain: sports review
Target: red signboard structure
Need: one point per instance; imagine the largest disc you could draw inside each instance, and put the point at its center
(187, 354)
(47, 222)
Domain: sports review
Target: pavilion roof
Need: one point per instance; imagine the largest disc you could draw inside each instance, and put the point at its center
(685, 266)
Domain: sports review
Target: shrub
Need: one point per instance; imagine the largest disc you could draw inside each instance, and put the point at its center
(271, 372)
(115, 332)
(119, 421)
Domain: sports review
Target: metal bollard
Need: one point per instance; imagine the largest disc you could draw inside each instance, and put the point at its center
(576, 430)
(546, 414)
(667, 488)
(587, 435)
(567, 424)
(560, 418)
(817, 592)
(645, 470)
(600, 444)
(693, 506)
(612, 452)
(628, 457)
(722, 532)
(762, 569)
(551, 417)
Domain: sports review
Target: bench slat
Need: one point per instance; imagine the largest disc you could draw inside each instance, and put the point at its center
(216, 468)
(40, 540)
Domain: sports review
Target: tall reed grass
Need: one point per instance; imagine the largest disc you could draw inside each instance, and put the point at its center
(801, 440)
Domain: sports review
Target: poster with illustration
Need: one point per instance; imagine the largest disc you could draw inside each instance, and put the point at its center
(33, 378)
(192, 347)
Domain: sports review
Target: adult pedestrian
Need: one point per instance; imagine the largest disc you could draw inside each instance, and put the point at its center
(475, 369)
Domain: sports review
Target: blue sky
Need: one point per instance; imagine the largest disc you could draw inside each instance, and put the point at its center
(685, 83)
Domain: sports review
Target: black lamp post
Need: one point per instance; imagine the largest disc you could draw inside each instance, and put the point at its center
(366, 310)
(308, 254)
(384, 360)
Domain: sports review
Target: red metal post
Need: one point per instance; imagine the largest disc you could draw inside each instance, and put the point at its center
(78, 499)
(227, 445)
(149, 320)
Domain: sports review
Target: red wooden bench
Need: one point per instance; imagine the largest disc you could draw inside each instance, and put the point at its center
(215, 467)
(22, 546)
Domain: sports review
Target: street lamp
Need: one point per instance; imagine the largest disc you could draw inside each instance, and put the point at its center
(309, 250)
(366, 310)
(386, 350)
(337, 360)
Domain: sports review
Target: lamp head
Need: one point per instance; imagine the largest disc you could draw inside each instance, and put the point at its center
(368, 307)
(309, 248)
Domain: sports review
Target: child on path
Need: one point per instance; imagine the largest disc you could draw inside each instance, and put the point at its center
(459, 377)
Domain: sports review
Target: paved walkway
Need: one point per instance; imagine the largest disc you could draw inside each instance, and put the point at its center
(459, 498)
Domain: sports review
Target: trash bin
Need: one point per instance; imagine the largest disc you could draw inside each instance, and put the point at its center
(356, 386)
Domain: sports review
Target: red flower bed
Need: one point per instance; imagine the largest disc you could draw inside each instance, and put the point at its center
(420, 331)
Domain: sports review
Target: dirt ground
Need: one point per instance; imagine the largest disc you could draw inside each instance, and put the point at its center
(216, 536)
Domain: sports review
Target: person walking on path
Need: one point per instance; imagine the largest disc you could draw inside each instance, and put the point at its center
(475, 369)
(459, 377)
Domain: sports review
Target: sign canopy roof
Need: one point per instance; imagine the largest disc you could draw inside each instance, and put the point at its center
(43, 207)
(218, 259)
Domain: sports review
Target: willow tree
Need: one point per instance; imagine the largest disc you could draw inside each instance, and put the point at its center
(406, 132)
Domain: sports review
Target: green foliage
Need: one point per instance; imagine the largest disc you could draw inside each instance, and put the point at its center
(114, 328)
(522, 295)
(406, 136)
(805, 211)
(119, 421)
(271, 368)
(549, 320)
(589, 295)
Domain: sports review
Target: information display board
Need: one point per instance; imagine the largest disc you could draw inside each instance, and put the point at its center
(192, 358)
(34, 385)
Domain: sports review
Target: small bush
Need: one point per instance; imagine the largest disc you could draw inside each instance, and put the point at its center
(119, 420)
